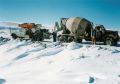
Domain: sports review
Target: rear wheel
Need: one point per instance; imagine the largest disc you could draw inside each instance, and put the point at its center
(78, 40)
(115, 43)
(63, 38)
(29, 33)
(38, 36)
(70, 39)
(109, 41)
(14, 36)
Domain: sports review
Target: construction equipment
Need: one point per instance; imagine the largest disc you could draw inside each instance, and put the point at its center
(76, 29)
(30, 31)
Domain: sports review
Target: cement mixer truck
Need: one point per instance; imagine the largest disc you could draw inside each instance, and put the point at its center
(76, 29)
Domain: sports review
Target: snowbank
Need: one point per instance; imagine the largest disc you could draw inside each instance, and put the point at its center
(24, 62)
(73, 46)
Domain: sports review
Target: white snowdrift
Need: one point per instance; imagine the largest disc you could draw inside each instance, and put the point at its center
(72, 63)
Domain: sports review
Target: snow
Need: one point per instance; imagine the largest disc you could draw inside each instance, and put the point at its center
(9, 24)
(24, 62)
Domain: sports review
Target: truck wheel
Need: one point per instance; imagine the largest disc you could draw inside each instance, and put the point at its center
(60, 38)
(78, 40)
(115, 43)
(37, 38)
(70, 39)
(14, 36)
(29, 32)
(109, 41)
(63, 38)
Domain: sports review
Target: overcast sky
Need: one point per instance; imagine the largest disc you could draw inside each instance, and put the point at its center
(106, 12)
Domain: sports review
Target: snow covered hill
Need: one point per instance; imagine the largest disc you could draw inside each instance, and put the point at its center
(24, 62)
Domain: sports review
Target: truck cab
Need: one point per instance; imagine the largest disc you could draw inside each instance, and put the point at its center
(109, 37)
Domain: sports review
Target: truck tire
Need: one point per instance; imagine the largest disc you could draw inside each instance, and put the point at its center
(38, 36)
(115, 43)
(29, 32)
(109, 41)
(14, 36)
(78, 40)
(70, 39)
(60, 38)
(63, 38)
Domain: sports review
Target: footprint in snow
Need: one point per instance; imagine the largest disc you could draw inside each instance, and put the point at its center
(21, 56)
(100, 48)
(116, 51)
(91, 79)
(2, 81)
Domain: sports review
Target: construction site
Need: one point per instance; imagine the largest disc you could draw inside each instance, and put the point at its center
(73, 29)
(59, 42)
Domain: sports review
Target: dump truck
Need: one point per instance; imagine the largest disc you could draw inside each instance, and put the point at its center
(77, 28)
(32, 31)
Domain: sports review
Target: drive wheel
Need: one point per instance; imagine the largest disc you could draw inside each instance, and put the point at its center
(70, 39)
(78, 40)
(14, 36)
(109, 41)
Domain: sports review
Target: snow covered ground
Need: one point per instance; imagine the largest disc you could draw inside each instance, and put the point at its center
(24, 62)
